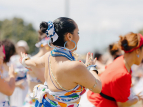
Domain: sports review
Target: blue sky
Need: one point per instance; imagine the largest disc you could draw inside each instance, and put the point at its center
(100, 21)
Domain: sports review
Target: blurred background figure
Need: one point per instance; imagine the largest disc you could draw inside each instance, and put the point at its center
(99, 62)
(116, 79)
(9, 50)
(137, 73)
(7, 84)
(115, 52)
(137, 78)
(36, 75)
(98, 56)
(17, 98)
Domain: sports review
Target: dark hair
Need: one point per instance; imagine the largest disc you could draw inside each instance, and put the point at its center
(97, 55)
(9, 49)
(114, 48)
(129, 41)
(62, 26)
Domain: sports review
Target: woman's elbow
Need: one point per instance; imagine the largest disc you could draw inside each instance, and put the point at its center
(10, 92)
(99, 87)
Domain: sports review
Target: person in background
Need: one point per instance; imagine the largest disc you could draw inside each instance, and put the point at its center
(116, 79)
(36, 76)
(115, 52)
(19, 94)
(98, 56)
(9, 50)
(7, 87)
(99, 62)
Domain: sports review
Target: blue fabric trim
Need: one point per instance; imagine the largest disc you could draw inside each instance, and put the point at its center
(65, 53)
(37, 104)
(20, 78)
(45, 103)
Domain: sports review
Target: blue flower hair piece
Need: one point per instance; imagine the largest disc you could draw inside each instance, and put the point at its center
(51, 31)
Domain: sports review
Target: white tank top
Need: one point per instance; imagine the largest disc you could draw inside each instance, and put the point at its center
(2, 97)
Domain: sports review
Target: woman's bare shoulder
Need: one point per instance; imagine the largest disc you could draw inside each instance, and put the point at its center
(74, 67)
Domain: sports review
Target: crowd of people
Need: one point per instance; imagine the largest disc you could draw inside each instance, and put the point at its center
(56, 77)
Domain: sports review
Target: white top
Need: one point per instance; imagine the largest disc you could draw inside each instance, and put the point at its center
(84, 101)
(18, 67)
(3, 97)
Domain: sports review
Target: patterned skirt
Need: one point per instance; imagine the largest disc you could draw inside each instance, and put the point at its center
(29, 102)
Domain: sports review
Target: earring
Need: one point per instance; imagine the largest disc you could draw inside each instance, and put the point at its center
(70, 49)
(138, 56)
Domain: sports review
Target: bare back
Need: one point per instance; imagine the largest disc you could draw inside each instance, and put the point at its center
(60, 68)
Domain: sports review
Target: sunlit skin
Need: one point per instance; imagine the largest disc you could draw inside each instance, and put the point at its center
(38, 72)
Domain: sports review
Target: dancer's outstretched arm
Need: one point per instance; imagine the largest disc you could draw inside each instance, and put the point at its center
(29, 63)
(7, 88)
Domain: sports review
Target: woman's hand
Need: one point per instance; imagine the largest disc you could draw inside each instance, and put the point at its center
(140, 96)
(89, 59)
(22, 60)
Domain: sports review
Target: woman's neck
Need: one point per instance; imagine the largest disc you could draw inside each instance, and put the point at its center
(128, 60)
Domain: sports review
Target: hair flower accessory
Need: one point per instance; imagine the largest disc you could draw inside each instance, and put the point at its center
(51, 31)
(43, 42)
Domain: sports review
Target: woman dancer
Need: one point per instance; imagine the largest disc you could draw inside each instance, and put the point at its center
(6, 88)
(66, 79)
(9, 50)
(36, 75)
(21, 89)
(116, 80)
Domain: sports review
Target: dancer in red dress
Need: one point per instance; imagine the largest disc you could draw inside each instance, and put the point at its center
(116, 79)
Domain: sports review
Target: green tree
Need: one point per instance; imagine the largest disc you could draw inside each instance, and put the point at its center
(16, 29)
(141, 31)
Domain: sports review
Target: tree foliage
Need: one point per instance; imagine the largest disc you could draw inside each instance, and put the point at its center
(141, 31)
(16, 29)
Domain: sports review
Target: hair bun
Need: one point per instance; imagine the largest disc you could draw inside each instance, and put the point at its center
(124, 43)
(43, 26)
(125, 46)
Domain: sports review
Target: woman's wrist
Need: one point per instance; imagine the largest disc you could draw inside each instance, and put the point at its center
(92, 68)
(23, 62)
(87, 64)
